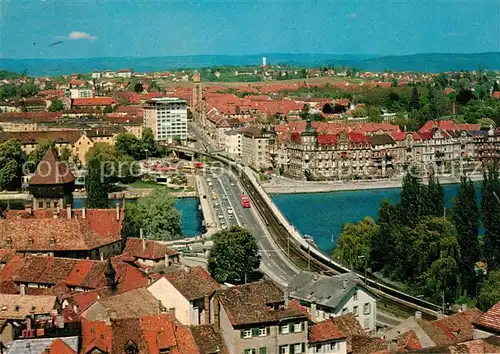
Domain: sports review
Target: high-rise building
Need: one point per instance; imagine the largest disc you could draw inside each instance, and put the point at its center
(264, 61)
(167, 118)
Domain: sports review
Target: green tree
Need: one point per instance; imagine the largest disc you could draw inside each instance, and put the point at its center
(97, 183)
(148, 143)
(411, 207)
(305, 112)
(490, 204)
(383, 240)
(132, 222)
(28, 89)
(434, 198)
(65, 154)
(138, 87)
(489, 294)
(415, 99)
(11, 162)
(56, 105)
(442, 278)
(108, 109)
(496, 88)
(38, 153)
(465, 216)
(354, 243)
(234, 255)
(158, 216)
(128, 144)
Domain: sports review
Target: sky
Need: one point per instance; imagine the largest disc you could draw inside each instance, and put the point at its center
(146, 28)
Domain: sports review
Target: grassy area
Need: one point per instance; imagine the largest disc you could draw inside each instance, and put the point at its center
(150, 184)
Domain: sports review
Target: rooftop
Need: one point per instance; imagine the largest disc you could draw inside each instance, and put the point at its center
(490, 320)
(193, 283)
(51, 171)
(147, 249)
(20, 306)
(325, 331)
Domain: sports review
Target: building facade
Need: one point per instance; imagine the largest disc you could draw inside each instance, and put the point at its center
(167, 118)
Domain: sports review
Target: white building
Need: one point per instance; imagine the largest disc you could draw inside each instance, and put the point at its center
(108, 74)
(167, 118)
(81, 93)
(124, 73)
(331, 296)
(96, 74)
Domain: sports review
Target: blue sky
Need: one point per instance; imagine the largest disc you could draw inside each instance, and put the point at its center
(143, 28)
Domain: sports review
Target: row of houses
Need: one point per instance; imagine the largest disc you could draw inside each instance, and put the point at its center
(321, 151)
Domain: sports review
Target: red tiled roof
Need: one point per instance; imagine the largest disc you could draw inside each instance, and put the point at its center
(490, 319)
(43, 232)
(327, 139)
(59, 347)
(496, 94)
(94, 101)
(51, 171)
(194, 283)
(95, 335)
(30, 116)
(324, 331)
(147, 249)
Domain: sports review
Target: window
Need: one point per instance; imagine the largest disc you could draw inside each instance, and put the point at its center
(249, 351)
(367, 323)
(52, 241)
(297, 348)
(284, 349)
(333, 346)
(263, 350)
(344, 310)
(297, 327)
(40, 205)
(9, 242)
(366, 308)
(247, 333)
(355, 296)
(285, 329)
(262, 332)
(355, 310)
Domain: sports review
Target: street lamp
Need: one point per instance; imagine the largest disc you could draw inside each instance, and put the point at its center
(146, 153)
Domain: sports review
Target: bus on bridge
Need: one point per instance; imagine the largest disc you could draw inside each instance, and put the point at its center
(245, 202)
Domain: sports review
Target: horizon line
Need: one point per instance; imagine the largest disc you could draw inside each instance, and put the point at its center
(369, 55)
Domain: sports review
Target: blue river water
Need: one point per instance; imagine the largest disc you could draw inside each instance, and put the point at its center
(322, 215)
(188, 207)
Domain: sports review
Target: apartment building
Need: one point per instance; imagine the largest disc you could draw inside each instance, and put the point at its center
(331, 296)
(81, 93)
(255, 148)
(167, 118)
(254, 319)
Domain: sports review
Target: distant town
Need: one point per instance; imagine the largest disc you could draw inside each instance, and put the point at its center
(94, 258)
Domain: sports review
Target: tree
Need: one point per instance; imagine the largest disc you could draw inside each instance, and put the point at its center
(434, 198)
(11, 162)
(465, 216)
(28, 89)
(138, 87)
(128, 144)
(411, 205)
(132, 222)
(383, 240)
(415, 99)
(97, 183)
(158, 216)
(234, 255)
(442, 278)
(65, 154)
(148, 142)
(490, 291)
(38, 153)
(108, 109)
(56, 105)
(490, 204)
(354, 243)
(496, 88)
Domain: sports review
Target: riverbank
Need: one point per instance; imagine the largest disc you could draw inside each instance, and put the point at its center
(289, 186)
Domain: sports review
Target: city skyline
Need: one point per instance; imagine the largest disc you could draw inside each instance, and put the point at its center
(149, 29)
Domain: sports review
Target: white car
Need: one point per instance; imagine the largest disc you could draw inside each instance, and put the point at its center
(232, 184)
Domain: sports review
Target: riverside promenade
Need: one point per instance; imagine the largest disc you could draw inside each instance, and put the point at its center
(206, 207)
(291, 186)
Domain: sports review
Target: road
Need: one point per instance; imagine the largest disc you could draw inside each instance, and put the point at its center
(227, 194)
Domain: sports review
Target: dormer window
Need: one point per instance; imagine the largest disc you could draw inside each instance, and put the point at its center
(9, 242)
(31, 242)
(52, 241)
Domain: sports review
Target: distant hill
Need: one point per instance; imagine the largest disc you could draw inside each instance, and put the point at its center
(432, 62)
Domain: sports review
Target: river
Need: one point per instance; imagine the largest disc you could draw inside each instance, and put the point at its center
(322, 215)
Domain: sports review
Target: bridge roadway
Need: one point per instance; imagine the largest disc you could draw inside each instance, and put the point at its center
(307, 257)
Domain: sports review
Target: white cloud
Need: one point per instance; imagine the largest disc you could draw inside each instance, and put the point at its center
(76, 35)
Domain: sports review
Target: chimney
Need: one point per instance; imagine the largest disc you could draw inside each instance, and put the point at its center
(392, 345)
(161, 308)
(117, 212)
(216, 314)
(206, 309)
(286, 297)
(22, 289)
(143, 240)
(68, 211)
(29, 208)
(167, 260)
(464, 307)
(55, 214)
(101, 256)
(418, 315)
(171, 311)
(313, 312)
(187, 269)
(344, 283)
(83, 213)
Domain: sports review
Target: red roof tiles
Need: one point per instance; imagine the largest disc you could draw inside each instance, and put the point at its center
(94, 101)
(325, 331)
(147, 249)
(195, 283)
(490, 319)
(59, 347)
(50, 171)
